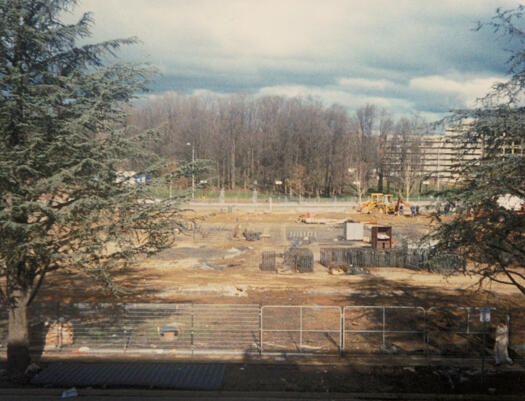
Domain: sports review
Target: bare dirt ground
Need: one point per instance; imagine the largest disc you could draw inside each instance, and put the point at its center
(209, 266)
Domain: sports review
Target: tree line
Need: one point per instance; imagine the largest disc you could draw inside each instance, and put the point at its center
(295, 146)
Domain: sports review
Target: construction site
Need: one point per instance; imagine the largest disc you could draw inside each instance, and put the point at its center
(247, 253)
(257, 201)
(283, 282)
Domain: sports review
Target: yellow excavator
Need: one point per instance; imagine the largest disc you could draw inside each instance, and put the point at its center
(401, 202)
(378, 202)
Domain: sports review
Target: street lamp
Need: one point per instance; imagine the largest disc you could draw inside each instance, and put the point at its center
(192, 170)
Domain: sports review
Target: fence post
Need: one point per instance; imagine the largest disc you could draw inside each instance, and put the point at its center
(509, 327)
(58, 327)
(342, 331)
(468, 331)
(484, 344)
(192, 329)
(384, 319)
(261, 329)
(301, 329)
(425, 332)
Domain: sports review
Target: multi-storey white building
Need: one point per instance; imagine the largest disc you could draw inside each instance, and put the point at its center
(431, 158)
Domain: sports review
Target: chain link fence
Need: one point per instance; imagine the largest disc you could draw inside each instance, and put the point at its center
(266, 330)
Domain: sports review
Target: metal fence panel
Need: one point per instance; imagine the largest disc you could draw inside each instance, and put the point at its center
(517, 333)
(448, 331)
(181, 328)
(384, 329)
(122, 327)
(226, 327)
(398, 257)
(44, 325)
(458, 331)
(268, 261)
(300, 329)
(233, 329)
(363, 329)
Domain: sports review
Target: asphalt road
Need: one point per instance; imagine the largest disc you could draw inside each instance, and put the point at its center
(163, 395)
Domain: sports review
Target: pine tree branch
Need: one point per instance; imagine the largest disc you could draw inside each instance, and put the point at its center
(496, 280)
(515, 273)
(513, 281)
(36, 286)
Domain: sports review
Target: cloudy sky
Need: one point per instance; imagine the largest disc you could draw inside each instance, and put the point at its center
(409, 56)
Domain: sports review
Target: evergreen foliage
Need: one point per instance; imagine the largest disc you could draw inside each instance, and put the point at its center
(490, 236)
(62, 145)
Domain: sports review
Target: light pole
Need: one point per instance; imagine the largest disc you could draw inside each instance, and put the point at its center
(192, 170)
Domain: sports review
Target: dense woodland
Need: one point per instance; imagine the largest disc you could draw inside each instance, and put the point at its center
(312, 149)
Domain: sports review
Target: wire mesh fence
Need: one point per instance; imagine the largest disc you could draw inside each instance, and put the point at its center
(517, 332)
(300, 329)
(270, 329)
(384, 329)
(181, 328)
(270, 232)
(398, 257)
(458, 331)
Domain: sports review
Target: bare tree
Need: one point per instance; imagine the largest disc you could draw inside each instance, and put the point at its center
(364, 154)
(265, 138)
(405, 158)
(386, 127)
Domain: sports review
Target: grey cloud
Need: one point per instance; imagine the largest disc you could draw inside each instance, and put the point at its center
(227, 47)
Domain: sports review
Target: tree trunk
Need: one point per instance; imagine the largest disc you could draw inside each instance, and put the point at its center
(18, 358)
(232, 166)
(380, 183)
(252, 164)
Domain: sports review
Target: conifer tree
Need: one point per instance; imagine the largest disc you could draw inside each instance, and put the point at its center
(63, 204)
(489, 229)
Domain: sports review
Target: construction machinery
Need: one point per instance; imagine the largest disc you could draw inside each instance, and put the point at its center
(378, 202)
(401, 204)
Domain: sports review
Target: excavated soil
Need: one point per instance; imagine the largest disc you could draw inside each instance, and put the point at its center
(209, 266)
